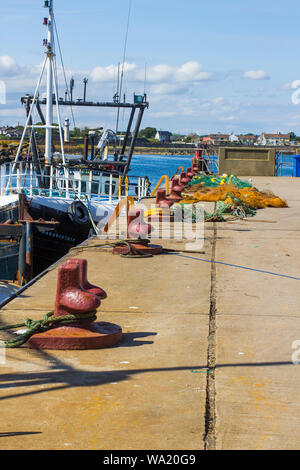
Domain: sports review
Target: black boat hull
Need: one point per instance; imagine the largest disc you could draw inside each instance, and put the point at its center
(48, 245)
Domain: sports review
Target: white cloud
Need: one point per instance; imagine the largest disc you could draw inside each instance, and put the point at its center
(291, 85)
(8, 66)
(109, 73)
(218, 99)
(167, 89)
(256, 75)
(13, 113)
(191, 71)
(159, 72)
(227, 118)
(176, 94)
(188, 72)
(163, 114)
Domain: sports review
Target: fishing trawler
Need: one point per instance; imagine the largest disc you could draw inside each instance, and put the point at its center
(79, 194)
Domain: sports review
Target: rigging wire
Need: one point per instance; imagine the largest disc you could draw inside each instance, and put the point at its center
(63, 68)
(145, 80)
(123, 65)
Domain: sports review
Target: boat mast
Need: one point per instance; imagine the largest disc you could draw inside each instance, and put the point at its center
(49, 99)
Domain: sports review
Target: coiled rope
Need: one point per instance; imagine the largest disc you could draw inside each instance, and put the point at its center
(48, 322)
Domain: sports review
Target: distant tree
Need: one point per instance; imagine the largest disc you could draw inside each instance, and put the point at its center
(148, 133)
(85, 131)
(40, 131)
(76, 132)
(177, 136)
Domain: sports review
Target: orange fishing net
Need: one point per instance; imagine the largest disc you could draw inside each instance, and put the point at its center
(231, 195)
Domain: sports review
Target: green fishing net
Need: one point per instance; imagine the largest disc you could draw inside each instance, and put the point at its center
(238, 210)
(211, 181)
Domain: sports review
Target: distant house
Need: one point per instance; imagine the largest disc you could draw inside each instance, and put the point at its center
(164, 137)
(17, 133)
(247, 139)
(216, 139)
(9, 131)
(234, 138)
(242, 139)
(6, 130)
(193, 138)
(274, 139)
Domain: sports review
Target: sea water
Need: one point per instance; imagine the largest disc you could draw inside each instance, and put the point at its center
(154, 166)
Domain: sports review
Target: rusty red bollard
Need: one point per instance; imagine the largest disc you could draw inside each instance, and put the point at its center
(138, 229)
(161, 199)
(164, 213)
(71, 298)
(84, 282)
(196, 164)
(184, 180)
(176, 190)
(198, 154)
(195, 170)
(175, 182)
(199, 162)
(189, 173)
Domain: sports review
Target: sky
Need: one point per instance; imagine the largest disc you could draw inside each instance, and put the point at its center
(217, 66)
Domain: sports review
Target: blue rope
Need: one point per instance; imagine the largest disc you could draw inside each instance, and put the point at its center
(237, 266)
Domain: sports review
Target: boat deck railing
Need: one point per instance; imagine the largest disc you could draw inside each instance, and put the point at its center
(59, 183)
(212, 160)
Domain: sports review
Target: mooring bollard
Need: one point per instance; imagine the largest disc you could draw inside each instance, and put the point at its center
(137, 228)
(72, 301)
(176, 190)
(137, 231)
(184, 180)
(84, 282)
(161, 199)
(189, 173)
(195, 169)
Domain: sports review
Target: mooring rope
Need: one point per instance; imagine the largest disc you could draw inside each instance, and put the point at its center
(40, 326)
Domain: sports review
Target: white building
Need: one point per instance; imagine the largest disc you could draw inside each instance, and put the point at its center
(164, 137)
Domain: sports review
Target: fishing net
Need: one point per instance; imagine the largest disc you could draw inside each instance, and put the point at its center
(210, 181)
(250, 197)
(233, 196)
(223, 212)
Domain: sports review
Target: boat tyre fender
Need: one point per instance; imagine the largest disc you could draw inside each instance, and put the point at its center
(78, 213)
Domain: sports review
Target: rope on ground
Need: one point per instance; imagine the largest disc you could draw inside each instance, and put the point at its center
(40, 326)
(238, 266)
(113, 244)
(133, 251)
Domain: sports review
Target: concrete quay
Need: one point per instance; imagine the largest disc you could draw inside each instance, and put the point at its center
(206, 357)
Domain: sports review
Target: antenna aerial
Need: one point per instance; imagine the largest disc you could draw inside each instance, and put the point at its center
(72, 87)
(85, 81)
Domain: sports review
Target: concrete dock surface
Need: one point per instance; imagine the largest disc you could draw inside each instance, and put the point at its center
(206, 360)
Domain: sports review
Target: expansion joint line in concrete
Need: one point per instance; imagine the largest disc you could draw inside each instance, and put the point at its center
(210, 414)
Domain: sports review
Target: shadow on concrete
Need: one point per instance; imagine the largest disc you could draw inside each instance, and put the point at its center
(133, 339)
(63, 376)
(11, 434)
